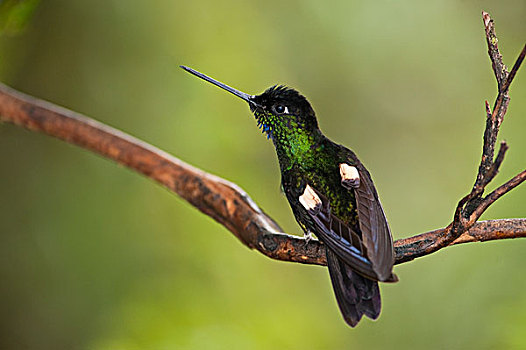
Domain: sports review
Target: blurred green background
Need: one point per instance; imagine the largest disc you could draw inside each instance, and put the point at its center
(94, 256)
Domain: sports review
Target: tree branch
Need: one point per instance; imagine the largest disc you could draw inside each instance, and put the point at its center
(233, 208)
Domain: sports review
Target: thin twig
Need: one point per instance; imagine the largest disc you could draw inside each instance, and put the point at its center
(496, 194)
(514, 70)
(471, 206)
(499, 68)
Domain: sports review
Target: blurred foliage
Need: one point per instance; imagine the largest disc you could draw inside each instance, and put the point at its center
(14, 14)
(93, 256)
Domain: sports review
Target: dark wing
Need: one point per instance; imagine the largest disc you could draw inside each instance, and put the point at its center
(340, 238)
(376, 235)
(371, 253)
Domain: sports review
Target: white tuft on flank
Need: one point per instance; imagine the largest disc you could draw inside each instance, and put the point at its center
(310, 200)
(350, 176)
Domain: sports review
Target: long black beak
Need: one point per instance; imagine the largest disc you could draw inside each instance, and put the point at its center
(242, 95)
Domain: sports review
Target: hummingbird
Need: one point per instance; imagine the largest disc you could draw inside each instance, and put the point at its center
(332, 196)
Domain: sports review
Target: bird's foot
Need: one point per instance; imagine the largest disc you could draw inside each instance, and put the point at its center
(308, 236)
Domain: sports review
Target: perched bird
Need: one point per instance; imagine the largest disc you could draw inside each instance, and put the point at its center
(331, 195)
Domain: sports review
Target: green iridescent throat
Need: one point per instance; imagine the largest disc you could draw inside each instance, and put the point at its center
(295, 144)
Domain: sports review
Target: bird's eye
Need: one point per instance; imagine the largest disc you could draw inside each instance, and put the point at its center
(281, 109)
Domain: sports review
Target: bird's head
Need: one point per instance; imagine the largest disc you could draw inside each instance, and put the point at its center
(279, 111)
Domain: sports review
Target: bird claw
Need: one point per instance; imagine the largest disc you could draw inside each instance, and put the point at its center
(308, 236)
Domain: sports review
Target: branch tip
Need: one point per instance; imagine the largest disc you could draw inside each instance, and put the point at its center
(488, 110)
(514, 70)
(486, 18)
